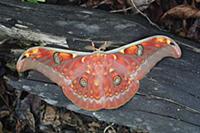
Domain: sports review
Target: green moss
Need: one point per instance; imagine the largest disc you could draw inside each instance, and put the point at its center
(33, 1)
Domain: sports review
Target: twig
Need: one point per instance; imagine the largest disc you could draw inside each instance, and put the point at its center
(101, 3)
(111, 127)
(170, 101)
(3, 41)
(152, 23)
(121, 10)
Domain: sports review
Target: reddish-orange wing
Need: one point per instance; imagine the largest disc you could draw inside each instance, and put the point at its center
(99, 80)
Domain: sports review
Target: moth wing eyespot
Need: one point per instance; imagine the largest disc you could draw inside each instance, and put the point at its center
(117, 80)
(83, 82)
(56, 58)
(140, 50)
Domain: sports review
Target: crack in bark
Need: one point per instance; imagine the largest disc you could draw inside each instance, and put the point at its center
(170, 101)
(168, 116)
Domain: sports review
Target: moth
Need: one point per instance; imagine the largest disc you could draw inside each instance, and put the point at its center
(100, 79)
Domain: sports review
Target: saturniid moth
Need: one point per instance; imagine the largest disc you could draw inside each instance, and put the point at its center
(100, 79)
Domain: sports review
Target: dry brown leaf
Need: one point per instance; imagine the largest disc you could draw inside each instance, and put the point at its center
(183, 12)
(49, 116)
(4, 113)
(1, 127)
(194, 31)
(67, 119)
(154, 11)
(24, 115)
(197, 1)
(93, 126)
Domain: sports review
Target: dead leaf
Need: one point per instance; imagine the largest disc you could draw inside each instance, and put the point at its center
(49, 115)
(93, 127)
(91, 3)
(24, 115)
(1, 127)
(182, 12)
(4, 113)
(154, 11)
(67, 119)
(194, 31)
(79, 121)
(197, 1)
(2, 69)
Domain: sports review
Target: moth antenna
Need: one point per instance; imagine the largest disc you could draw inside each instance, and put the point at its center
(95, 49)
(93, 45)
(105, 45)
(98, 49)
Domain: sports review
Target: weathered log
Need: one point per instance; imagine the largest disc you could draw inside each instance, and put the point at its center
(168, 99)
(67, 26)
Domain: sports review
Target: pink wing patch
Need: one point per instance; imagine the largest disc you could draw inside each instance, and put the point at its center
(99, 80)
